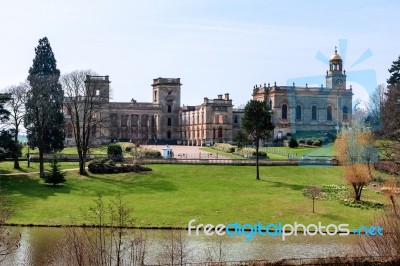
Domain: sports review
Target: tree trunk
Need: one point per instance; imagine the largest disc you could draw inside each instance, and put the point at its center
(41, 165)
(82, 163)
(313, 210)
(257, 147)
(16, 162)
(358, 193)
(394, 206)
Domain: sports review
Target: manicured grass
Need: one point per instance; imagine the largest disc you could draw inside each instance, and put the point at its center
(7, 167)
(226, 154)
(326, 150)
(171, 195)
(68, 150)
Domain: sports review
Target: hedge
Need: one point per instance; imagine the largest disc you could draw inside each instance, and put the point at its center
(225, 147)
(249, 152)
(109, 167)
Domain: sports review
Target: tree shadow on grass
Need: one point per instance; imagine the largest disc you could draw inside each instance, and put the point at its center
(285, 185)
(136, 182)
(30, 186)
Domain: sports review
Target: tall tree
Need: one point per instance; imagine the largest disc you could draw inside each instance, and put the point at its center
(391, 108)
(16, 107)
(86, 111)
(394, 71)
(44, 120)
(256, 122)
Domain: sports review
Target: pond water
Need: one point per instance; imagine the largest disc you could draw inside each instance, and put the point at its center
(37, 243)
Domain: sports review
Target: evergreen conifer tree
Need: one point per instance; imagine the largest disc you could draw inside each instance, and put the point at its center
(55, 176)
(44, 119)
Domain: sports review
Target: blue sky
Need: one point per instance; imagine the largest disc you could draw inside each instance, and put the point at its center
(213, 46)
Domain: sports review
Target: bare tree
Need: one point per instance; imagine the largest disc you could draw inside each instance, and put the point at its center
(16, 107)
(216, 252)
(354, 150)
(175, 249)
(86, 111)
(391, 118)
(374, 108)
(313, 192)
(138, 248)
(391, 190)
(107, 242)
(385, 245)
(359, 113)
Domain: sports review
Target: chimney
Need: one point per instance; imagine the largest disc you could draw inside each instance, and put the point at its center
(219, 96)
(227, 96)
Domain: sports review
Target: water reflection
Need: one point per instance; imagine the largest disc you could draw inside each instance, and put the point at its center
(38, 242)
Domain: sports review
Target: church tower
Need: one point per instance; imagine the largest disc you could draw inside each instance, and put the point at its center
(336, 76)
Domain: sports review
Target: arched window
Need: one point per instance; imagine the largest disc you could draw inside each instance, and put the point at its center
(298, 112)
(270, 104)
(169, 108)
(329, 113)
(284, 111)
(169, 121)
(155, 96)
(345, 113)
(314, 112)
(168, 134)
(235, 119)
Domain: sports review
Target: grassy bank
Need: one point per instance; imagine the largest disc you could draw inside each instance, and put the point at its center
(171, 195)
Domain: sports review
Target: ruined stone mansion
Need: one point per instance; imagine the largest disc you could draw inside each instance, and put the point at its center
(164, 120)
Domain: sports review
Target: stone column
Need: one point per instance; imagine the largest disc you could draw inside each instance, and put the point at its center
(139, 125)
(149, 127)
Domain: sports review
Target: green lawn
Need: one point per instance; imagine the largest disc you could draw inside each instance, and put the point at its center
(171, 195)
(7, 167)
(226, 154)
(326, 150)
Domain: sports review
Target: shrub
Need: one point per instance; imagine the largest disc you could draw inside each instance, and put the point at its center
(317, 142)
(151, 154)
(293, 143)
(309, 142)
(260, 153)
(144, 153)
(225, 147)
(55, 176)
(302, 141)
(250, 152)
(114, 150)
(110, 167)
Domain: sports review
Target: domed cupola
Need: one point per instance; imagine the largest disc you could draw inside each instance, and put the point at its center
(336, 75)
(335, 63)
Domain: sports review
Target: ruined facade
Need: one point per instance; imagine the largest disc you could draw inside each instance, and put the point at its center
(163, 120)
(213, 121)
